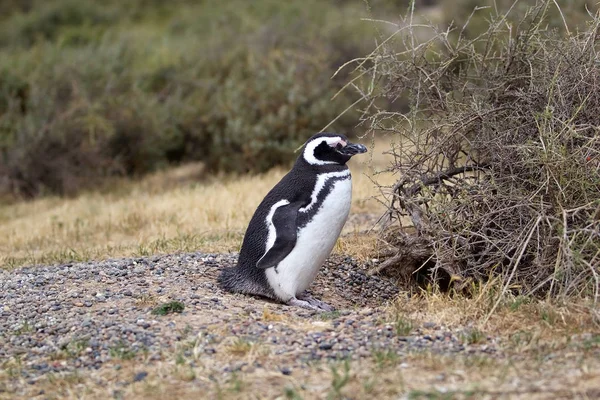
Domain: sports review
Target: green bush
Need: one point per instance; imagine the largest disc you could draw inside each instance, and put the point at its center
(90, 90)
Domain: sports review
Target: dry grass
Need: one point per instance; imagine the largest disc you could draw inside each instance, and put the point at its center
(545, 321)
(167, 212)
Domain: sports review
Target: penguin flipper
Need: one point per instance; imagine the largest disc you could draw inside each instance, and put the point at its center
(284, 220)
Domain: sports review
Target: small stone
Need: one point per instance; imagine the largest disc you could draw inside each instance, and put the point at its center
(286, 371)
(325, 346)
(140, 376)
(142, 323)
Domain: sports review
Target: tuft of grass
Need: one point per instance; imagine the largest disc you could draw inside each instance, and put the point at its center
(402, 326)
(517, 302)
(186, 330)
(369, 385)
(236, 384)
(13, 367)
(385, 358)
(269, 316)
(339, 380)
(122, 351)
(146, 300)
(291, 393)
(24, 328)
(329, 315)
(549, 316)
(186, 374)
(240, 347)
(593, 342)
(521, 339)
(473, 336)
(180, 358)
(169, 308)
(75, 348)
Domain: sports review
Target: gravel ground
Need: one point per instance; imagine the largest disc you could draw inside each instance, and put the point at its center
(82, 316)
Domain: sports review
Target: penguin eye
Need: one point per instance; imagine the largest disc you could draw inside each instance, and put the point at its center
(340, 144)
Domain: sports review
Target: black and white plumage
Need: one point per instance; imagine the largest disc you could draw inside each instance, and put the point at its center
(295, 227)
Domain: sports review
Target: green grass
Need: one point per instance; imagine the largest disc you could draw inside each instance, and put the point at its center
(339, 380)
(121, 351)
(169, 308)
(329, 315)
(473, 336)
(403, 326)
(291, 393)
(518, 301)
(24, 328)
(75, 348)
(385, 358)
(236, 383)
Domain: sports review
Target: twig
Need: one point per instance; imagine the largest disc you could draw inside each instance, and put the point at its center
(512, 273)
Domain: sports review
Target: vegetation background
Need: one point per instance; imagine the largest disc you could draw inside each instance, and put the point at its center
(142, 127)
(94, 89)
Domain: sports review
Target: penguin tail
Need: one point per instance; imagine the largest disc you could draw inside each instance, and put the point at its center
(234, 280)
(229, 279)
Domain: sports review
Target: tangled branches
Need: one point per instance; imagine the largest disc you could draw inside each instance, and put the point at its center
(499, 156)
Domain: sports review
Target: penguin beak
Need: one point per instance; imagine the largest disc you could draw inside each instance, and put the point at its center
(352, 149)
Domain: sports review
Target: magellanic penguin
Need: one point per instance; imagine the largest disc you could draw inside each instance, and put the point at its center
(295, 227)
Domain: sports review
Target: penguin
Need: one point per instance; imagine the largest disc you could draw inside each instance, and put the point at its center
(296, 225)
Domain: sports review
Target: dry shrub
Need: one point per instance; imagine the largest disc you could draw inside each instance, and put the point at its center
(499, 158)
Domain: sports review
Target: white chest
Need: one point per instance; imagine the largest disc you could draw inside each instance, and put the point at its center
(296, 272)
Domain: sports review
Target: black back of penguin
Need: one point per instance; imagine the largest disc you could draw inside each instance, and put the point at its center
(296, 186)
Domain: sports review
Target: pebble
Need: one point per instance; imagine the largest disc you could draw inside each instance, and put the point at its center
(140, 376)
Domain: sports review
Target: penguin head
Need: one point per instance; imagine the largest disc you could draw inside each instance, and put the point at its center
(330, 148)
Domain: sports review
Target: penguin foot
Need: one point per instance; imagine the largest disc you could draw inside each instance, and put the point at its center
(306, 301)
(301, 303)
